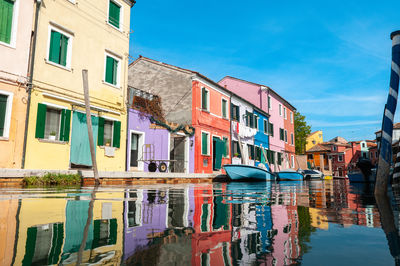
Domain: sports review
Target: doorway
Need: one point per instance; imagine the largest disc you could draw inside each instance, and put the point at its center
(135, 151)
(178, 153)
(218, 149)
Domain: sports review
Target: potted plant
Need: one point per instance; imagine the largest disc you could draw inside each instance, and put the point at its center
(108, 142)
(236, 159)
(52, 135)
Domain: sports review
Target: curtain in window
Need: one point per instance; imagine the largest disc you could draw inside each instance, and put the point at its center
(52, 126)
(108, 130)
(6, 18)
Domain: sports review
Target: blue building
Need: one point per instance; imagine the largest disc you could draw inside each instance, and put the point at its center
(261, 139)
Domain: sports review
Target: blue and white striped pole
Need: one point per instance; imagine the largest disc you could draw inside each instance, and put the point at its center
(385, 150)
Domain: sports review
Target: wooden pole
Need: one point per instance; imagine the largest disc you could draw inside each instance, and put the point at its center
(89, 125)
(385, 145)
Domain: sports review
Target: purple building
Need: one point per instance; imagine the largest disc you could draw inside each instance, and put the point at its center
(148, 142)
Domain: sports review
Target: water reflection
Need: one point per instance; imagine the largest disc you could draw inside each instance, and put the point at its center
(201, 224)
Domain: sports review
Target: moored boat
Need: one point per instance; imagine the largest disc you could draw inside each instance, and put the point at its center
(312, 174)
(240, 172)
(289, 175)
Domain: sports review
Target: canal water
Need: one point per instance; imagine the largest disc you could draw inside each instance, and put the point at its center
(327, 222)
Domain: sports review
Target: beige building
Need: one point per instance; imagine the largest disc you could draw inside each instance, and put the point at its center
(72, 36)
(15, 36)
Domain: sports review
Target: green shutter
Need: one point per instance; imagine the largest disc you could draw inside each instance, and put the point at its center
(226, 149)
(115, 71)
(109, 69)
(31, 237)
(55, 40)
(112, 240)
(204, 143)
(114, 14)
(65, 124)
(64, 49)
(100, 136)
(3, 108)
(40, 121)
(6, 18)
(204, 95)
(117, 134)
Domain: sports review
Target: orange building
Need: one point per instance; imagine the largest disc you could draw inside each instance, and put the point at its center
(210, 118)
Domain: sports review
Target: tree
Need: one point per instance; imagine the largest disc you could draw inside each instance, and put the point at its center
(301, 130)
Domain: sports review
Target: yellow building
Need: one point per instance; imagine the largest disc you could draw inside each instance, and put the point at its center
(71, 36)
(50, 230)
(314, 139)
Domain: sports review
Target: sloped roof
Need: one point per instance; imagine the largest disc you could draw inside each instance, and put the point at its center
(319, 147)
(314, 133)
(338, 139)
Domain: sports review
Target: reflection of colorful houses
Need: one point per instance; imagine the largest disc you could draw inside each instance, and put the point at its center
(8, 227)
(211, 242)
(51, 230)
(189, 99)
(149, 214)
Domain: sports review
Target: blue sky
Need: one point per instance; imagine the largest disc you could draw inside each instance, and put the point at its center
(330, 59)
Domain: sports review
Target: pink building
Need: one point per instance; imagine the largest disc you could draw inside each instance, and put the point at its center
(271, 102)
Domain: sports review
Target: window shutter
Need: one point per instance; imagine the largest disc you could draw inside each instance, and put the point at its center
(117, 134)
(100, 134)
(3, 108)
(54, 54)
(109, 69)
(271, 129)
(6, 18)
(237, 114)
(65, 124)
(115, 71)
(225, 152)
(114, 14)
(204, 143)
(64, 49)
(40, 121)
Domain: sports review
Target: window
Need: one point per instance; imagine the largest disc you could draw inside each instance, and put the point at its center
(313, 142)
(5, 113)
(291, 138)
(279, 158)
(52, 123)
(251, 151)
(224, 108)
(281, 134)
(284, 112)
(376, 155)
(330, 157)
(286, 136)
(235, 149)
(310, 156)
(109, 133)
(340, 158)
(204, 99)
(114, 14)
(334, 148)
(205, 143)
(256, 121)
(257, 153)
(235, 112)
(271, 129)
(291, 117)
(280, 109)
(269, 102)
(265, 127)
(292, 157)
(112, 73)
(60, 48)
(7, 20)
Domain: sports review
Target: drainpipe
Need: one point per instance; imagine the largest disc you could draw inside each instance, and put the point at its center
(30, 85)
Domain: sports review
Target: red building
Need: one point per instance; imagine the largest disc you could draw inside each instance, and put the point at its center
(288, 120)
